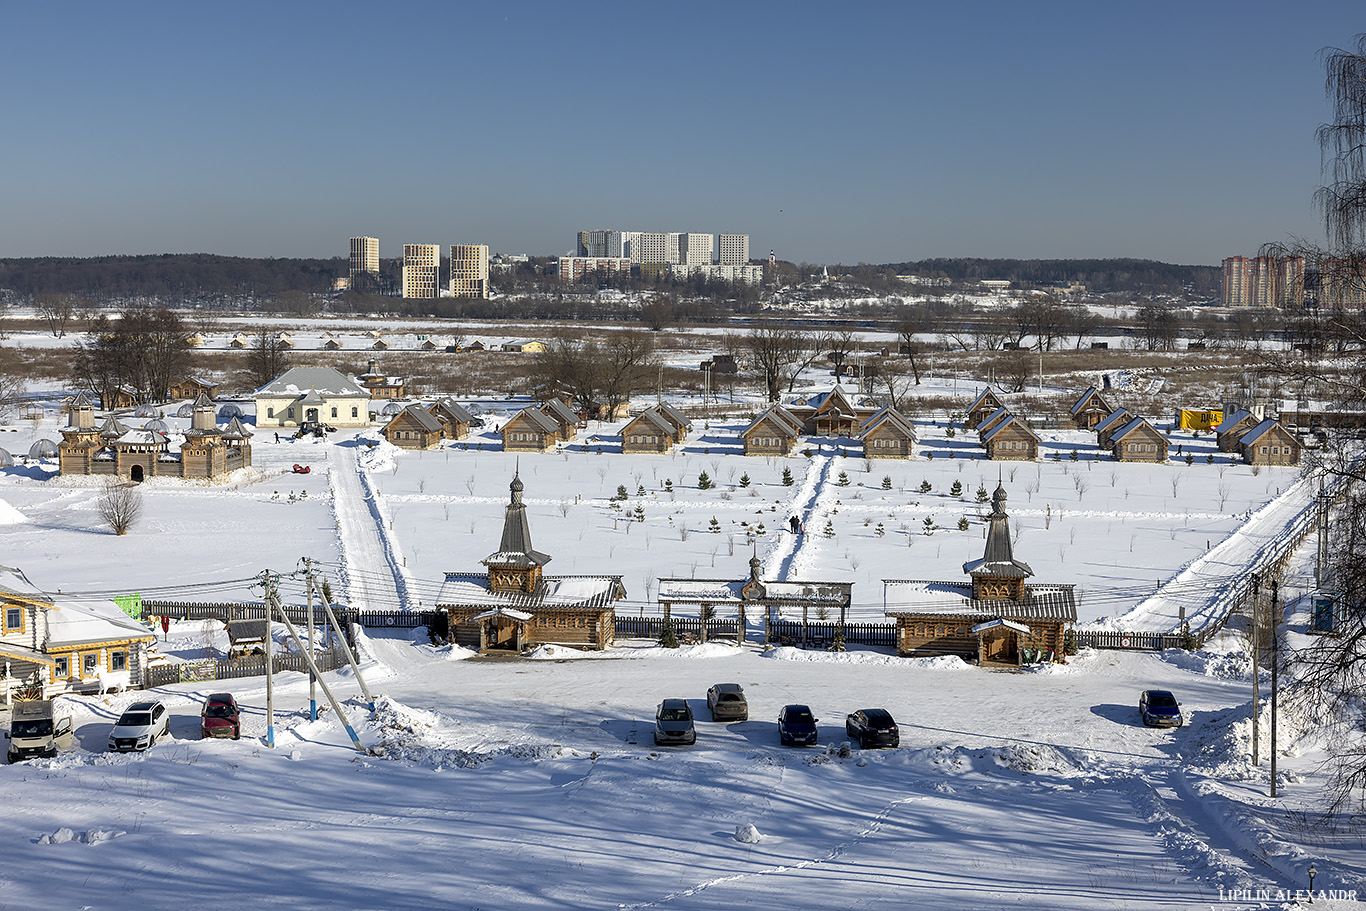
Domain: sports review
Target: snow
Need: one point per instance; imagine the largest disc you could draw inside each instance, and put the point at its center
(535, 784)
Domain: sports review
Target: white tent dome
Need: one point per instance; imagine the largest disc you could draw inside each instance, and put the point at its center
(42, 449)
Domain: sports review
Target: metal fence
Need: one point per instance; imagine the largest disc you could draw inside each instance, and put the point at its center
(1148, 642)
(246, 666)
(436, 621)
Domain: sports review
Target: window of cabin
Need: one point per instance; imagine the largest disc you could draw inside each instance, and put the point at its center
(118, 660)
(290, 414)
(62, 669)
(270, 412)
(334, 412)
(14, 619)
(90, 664)
(355, 412)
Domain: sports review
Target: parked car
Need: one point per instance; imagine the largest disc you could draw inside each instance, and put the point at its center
(1159, 708)
(796, 726)
(872, 728)
(38, 728)
(220, 717)
(139, 726)
(673, 723)
(727, 702)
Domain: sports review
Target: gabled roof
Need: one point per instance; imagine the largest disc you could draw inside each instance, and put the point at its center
(1130, 427)
(997, 416)
(915, 598)
(1115, 419)
(891, 417)
(419, 414)
(454, 411)
(673, 415)
(79, 622)
(652, 417)
(1085, 397)
(559, 410)
(14, 584)
(1232, 420)
(537, 417)
(779, 415)
(1011, 421)
(1256, 433)
(324, 380)
(112, 428)
(987, 392)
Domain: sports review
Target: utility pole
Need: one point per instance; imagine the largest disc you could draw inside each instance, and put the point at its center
(1256, 640)
(270, 664)
(1275, 661)
(312, 681)
(1321, 561)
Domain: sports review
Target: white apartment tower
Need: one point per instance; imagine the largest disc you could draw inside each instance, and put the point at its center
(364, 255)
(592, 243)
(733, 249)
(469, 270)
(694, 250)
(656, 248)
(421, 268)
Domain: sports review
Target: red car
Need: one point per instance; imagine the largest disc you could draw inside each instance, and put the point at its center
(220, 717)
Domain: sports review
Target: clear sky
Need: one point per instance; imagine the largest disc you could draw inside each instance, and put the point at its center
(873, 132)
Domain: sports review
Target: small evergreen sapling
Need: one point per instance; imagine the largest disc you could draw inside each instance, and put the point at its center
(886, 482)
(925, 487)
(744, 479)
(714, 527)
(787, 477)
(842, 480)
(963, 524)
(668, 637)
(957, 489)
(703, 481)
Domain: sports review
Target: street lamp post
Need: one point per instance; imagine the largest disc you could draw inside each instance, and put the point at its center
(1312, 874)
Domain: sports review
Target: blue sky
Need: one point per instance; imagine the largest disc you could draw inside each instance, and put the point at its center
(875, 132)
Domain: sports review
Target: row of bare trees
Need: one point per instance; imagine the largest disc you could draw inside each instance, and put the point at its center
(142, 349)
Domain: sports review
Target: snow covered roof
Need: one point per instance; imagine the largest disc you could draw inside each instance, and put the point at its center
(15, 584)
(907, 597)
(324, 380)
(1115, 418)
(1085, 397)
(727, 591)
(985, 394)
(555, 592)
(77, 622)
(1130, 427)
(1261, 430)
(777, 415)
(501, 611)
(1232, 420)
(890, 416)
(1010, 421)
(422, 416)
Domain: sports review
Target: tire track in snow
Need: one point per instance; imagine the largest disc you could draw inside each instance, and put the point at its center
(833, 854)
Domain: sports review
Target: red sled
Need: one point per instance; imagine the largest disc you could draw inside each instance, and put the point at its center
(302, 469)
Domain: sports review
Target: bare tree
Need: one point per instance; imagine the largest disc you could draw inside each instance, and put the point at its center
(911, 325)
(267, 358)
(119, 505)
(56, 310)
(774, 353)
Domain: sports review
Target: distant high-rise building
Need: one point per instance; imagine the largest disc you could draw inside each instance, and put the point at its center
(592, 243)
(656, 248)
(621, 243)
(694, 250)
(1264, 281)
(1341, 284)
(469, 270)
(421, 268)
(732, 249)
(364, 255)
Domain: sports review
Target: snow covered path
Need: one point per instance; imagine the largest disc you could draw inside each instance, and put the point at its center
(1208, 585)
(373, 574)
(804, 508)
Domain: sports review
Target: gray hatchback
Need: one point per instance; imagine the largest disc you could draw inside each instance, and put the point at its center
(727, 702)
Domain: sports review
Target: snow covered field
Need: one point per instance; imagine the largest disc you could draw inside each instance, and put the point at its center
(534, 783)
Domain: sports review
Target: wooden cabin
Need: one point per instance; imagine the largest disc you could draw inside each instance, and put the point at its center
(1269, 443)
(1112, 422)
(1228, 433)
(530, 430)
(455, 420)
(986, 425)
(997, 619)
(649, 432)
(514, 606)
(772, 433)
(1139, 441)
(1090, 409)
(986, 404)
(413, 428)
(191, 388)
(830, 414)
(887, 435)
(566, 418)
(1011, 440)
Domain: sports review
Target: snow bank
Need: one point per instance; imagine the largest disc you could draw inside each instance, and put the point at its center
(377, 453)
(1223, 665)
(11, 516)
(554, 653)
(747, 834)
(941, 662)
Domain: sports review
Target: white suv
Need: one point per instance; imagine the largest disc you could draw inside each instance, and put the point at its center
(139, 726)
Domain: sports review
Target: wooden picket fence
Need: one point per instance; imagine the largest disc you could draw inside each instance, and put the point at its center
(246, 666)
(1143, 642)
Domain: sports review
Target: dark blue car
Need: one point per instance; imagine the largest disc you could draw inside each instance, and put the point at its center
(796, 726)
(1160, 709)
